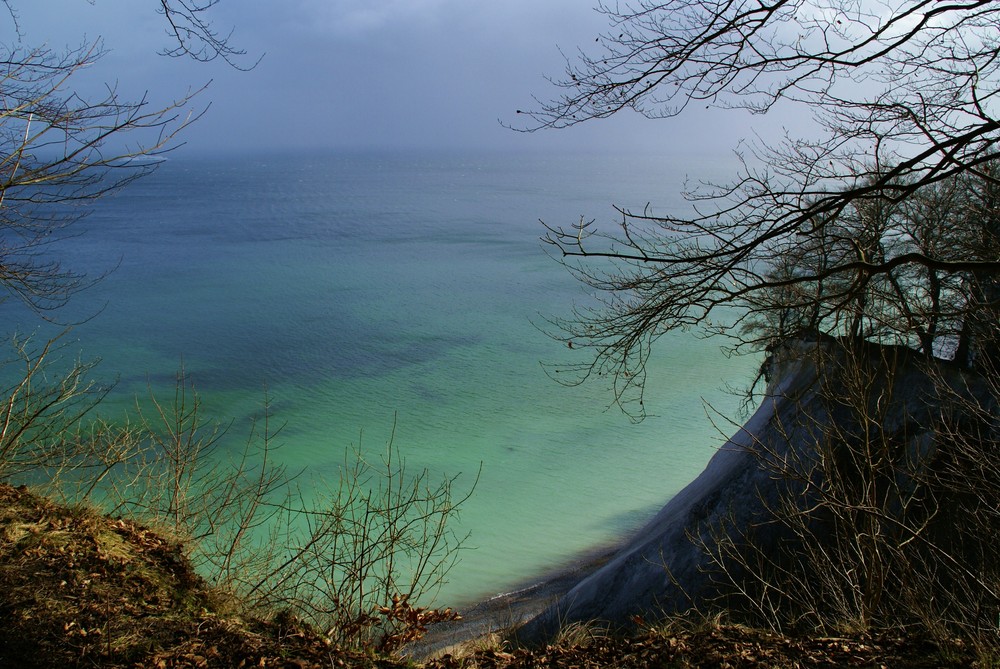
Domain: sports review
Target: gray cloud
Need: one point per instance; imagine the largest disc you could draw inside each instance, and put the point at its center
(417, 73)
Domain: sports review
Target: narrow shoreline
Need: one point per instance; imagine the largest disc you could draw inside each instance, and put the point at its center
(504, 611)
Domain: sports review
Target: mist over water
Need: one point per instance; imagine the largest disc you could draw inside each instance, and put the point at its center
(363, 291)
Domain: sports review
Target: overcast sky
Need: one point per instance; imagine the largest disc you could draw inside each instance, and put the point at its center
(368, 73)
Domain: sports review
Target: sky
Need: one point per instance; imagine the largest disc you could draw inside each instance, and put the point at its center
(367, 73)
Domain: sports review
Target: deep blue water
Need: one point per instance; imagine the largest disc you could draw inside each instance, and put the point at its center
(363, 289)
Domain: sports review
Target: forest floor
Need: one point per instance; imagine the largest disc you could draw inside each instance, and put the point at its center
(78, 589)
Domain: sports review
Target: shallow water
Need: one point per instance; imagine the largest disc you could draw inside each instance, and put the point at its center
(367, 290)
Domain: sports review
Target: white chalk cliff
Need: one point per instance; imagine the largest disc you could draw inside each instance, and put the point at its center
(665, 567)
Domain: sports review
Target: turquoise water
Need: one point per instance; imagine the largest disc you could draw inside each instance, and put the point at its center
(367, 289)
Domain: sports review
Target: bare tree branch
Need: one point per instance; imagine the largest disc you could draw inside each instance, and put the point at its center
(60, 150)
(904, 95)
(195, 36)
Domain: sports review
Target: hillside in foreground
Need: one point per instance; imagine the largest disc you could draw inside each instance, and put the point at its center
(81, 589)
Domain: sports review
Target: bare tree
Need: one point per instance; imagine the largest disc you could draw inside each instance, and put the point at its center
(193, 35)
(936, 310)
(874, 242)
(61, 149)
(904, 96)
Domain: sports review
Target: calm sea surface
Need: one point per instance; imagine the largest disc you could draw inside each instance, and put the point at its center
(363, 289)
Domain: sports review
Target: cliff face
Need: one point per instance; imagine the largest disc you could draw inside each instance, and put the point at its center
(684, 557)
(662, 569)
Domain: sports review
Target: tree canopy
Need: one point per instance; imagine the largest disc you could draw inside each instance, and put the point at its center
(882, 225)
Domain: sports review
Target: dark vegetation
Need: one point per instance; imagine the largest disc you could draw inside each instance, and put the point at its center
(353, 561)
(878, 221)
(884, 495)
(81, 589)
(877, 239)
(864, 246)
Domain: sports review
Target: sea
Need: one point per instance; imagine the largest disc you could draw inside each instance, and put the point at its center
(387, 295)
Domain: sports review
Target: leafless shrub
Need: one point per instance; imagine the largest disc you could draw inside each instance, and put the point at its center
(357, 558)
(883, 504)
(41, 408)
